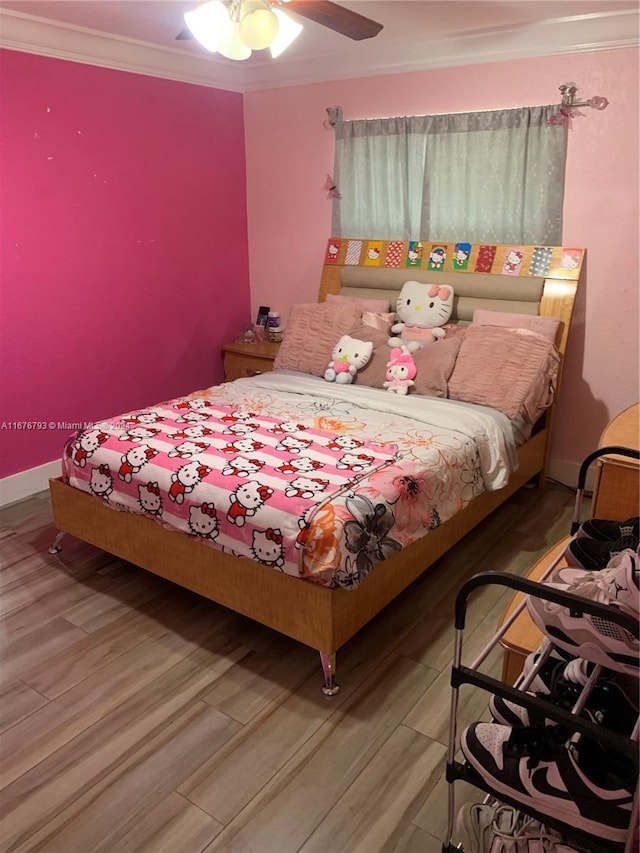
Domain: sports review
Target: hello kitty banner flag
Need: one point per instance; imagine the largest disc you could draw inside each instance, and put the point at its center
(239, 481)
(461, 256)
(373, 253)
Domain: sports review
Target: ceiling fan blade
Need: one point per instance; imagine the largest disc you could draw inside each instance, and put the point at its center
(335, 17)
(323, 12)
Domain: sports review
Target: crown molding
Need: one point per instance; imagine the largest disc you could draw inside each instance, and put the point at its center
(31, 34)
(581, 33)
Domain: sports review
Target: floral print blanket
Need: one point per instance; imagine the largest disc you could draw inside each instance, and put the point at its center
(313, 479)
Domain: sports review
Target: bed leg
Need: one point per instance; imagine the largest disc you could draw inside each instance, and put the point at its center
(53, 549)
(329, 688)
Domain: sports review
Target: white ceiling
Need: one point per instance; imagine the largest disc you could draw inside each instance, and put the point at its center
(139, 35)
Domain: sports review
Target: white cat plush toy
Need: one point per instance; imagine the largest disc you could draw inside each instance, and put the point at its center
(421, 309)
(349, 356)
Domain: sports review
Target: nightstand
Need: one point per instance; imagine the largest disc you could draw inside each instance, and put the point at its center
(242, 360)
(617, 491)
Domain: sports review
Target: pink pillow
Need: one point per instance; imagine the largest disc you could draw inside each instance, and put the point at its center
(359, 302)
(373, 373)
(378, 320)
(364, 332)
(312, 330)
(547, 326)
(512, 370)
(435, 365)
(453, 329)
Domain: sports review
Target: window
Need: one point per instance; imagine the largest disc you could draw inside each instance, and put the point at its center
(491, 176)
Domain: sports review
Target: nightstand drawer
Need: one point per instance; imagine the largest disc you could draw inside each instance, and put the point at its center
(238, 366)
(242, 360)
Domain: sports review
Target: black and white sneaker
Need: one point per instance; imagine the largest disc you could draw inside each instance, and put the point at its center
(606, 530)
(560, 679)
(577, 782)
(593, 555)
(561, 683)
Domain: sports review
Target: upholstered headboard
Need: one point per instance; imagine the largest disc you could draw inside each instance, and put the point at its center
(520, 279)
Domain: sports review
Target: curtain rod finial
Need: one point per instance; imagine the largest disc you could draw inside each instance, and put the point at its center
(334, 115)
(568, 101)
(598, 102)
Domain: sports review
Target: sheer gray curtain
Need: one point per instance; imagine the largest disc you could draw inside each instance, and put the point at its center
(492, 176)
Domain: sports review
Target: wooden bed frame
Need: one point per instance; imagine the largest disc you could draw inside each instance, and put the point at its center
(318, 616)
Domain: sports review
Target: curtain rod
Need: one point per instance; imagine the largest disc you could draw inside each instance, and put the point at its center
(568, 102)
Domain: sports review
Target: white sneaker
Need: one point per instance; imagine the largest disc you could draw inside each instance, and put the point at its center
(497, 828)
(591, 637)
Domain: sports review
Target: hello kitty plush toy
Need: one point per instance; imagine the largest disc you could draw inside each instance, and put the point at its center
(349, 356)
(421, 309)
(401, 371)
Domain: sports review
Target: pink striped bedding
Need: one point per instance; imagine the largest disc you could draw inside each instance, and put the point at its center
(291, 472)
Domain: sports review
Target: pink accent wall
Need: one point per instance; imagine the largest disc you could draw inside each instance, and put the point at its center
(124, 244)
(289, 154)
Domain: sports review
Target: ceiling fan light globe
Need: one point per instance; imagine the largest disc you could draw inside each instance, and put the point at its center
(288, 32)
(209, 24)
(258, 28)
(233, 47)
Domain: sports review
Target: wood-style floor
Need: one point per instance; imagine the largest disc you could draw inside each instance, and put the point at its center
(136, 716)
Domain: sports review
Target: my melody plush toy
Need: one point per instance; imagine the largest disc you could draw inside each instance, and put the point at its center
(349, 355)
(421, 309)
(401, 371)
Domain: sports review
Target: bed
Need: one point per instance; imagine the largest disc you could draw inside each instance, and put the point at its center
(306, 598)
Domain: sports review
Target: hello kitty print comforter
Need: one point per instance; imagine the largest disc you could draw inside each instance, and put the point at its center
(314, 480)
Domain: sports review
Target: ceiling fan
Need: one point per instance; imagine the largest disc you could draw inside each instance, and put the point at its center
(235, 27)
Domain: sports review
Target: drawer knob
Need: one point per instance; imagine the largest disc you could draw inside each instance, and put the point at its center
(253, 372)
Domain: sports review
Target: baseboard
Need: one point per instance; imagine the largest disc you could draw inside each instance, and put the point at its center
(26, 483)
(567, 474)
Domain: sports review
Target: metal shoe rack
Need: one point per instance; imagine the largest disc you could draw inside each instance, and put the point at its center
(627, 746)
